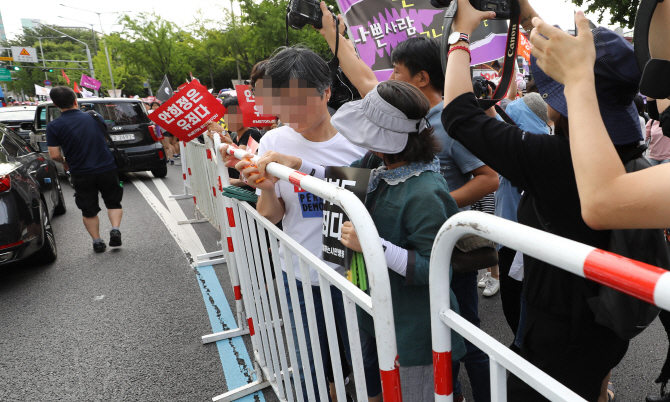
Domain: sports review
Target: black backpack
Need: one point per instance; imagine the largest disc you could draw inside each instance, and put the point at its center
(626, 315)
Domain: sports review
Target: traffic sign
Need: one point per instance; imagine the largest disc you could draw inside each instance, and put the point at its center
(5, 75)
(24, 54)
(6, 59)
(47, 82)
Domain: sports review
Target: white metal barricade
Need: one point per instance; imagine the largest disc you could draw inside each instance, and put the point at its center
(646, 282)
(254, 248)
(197, 179)
(203, 173)
(185, 174)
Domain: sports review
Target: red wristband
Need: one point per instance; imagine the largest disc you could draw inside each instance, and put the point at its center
(461, 48)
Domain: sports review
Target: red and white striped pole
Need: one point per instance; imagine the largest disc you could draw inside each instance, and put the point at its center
(184, 173)
(644, 281)
(228, 226)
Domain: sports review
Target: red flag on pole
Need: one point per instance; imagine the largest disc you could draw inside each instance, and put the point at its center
(76, 88)
(66, 77)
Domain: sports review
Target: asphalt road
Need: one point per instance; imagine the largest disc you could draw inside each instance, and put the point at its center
(126, 325)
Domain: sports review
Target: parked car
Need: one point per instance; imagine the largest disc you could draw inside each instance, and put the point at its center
(13, 116)
(30, 195)
(128, 125)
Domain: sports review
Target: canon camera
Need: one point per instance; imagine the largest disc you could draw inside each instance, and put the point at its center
(502, 8)
(304, 12)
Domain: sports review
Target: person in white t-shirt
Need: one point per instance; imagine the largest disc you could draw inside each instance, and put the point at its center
(296, 88)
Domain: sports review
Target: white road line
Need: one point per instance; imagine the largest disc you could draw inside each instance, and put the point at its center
(184, 235)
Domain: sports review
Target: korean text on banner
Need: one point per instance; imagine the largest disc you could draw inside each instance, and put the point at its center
(355, 180)
(378, 26)
(251, 117)
(187, 113)
(90, 83)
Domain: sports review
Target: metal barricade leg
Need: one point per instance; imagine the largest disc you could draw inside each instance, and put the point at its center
(329, 316)
(498, 381)
(185, 174)
(290, 340)
(217, 208)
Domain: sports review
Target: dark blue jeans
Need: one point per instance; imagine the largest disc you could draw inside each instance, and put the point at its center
(476, 362)
(368, 346)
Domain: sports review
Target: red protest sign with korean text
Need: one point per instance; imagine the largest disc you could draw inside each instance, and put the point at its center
(524, 47)
(187, 113)
(250, 116)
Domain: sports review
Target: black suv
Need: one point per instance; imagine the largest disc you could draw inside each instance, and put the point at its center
(128, 125)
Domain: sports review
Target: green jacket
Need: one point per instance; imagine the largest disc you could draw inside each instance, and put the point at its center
(409, 215)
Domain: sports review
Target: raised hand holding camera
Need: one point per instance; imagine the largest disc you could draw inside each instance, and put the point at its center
(468, 18)
(503, 9)
(304, 12)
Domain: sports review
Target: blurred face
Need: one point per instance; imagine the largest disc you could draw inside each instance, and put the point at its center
(233, 118)
(154, 107)
(401, 73)
(297, 105)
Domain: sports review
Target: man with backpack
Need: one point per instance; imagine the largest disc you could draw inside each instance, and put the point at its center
(90, 162)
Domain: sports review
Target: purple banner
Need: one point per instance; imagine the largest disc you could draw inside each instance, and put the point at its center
(90, 83)
(378, 26)
(488, 49)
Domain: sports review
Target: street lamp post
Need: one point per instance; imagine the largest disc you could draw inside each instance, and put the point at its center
(88, 52)
(44, 64)
(95, 46)
(104, 42)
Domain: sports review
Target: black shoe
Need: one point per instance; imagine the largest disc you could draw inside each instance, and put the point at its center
(115, 238)
(99, 247)
(172, 162)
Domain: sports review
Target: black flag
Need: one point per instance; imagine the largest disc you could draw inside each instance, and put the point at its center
(165, 91)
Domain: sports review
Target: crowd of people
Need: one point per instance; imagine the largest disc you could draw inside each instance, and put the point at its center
(434, 152)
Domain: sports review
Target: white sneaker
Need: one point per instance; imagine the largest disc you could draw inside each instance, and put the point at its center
(482, 282)
(492, 287)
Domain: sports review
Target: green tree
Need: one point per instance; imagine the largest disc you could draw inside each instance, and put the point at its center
(54, 48)
(152, 44)
(622, 12)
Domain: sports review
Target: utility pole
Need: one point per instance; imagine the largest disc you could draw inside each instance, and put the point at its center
(109, 65)
(149, 86)
(44, 63)
(95, 45)
(104, 42)
(237, 61)
(88, 52)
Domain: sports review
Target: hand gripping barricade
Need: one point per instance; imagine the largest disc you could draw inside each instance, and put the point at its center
(253, 248)
(646, 282)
